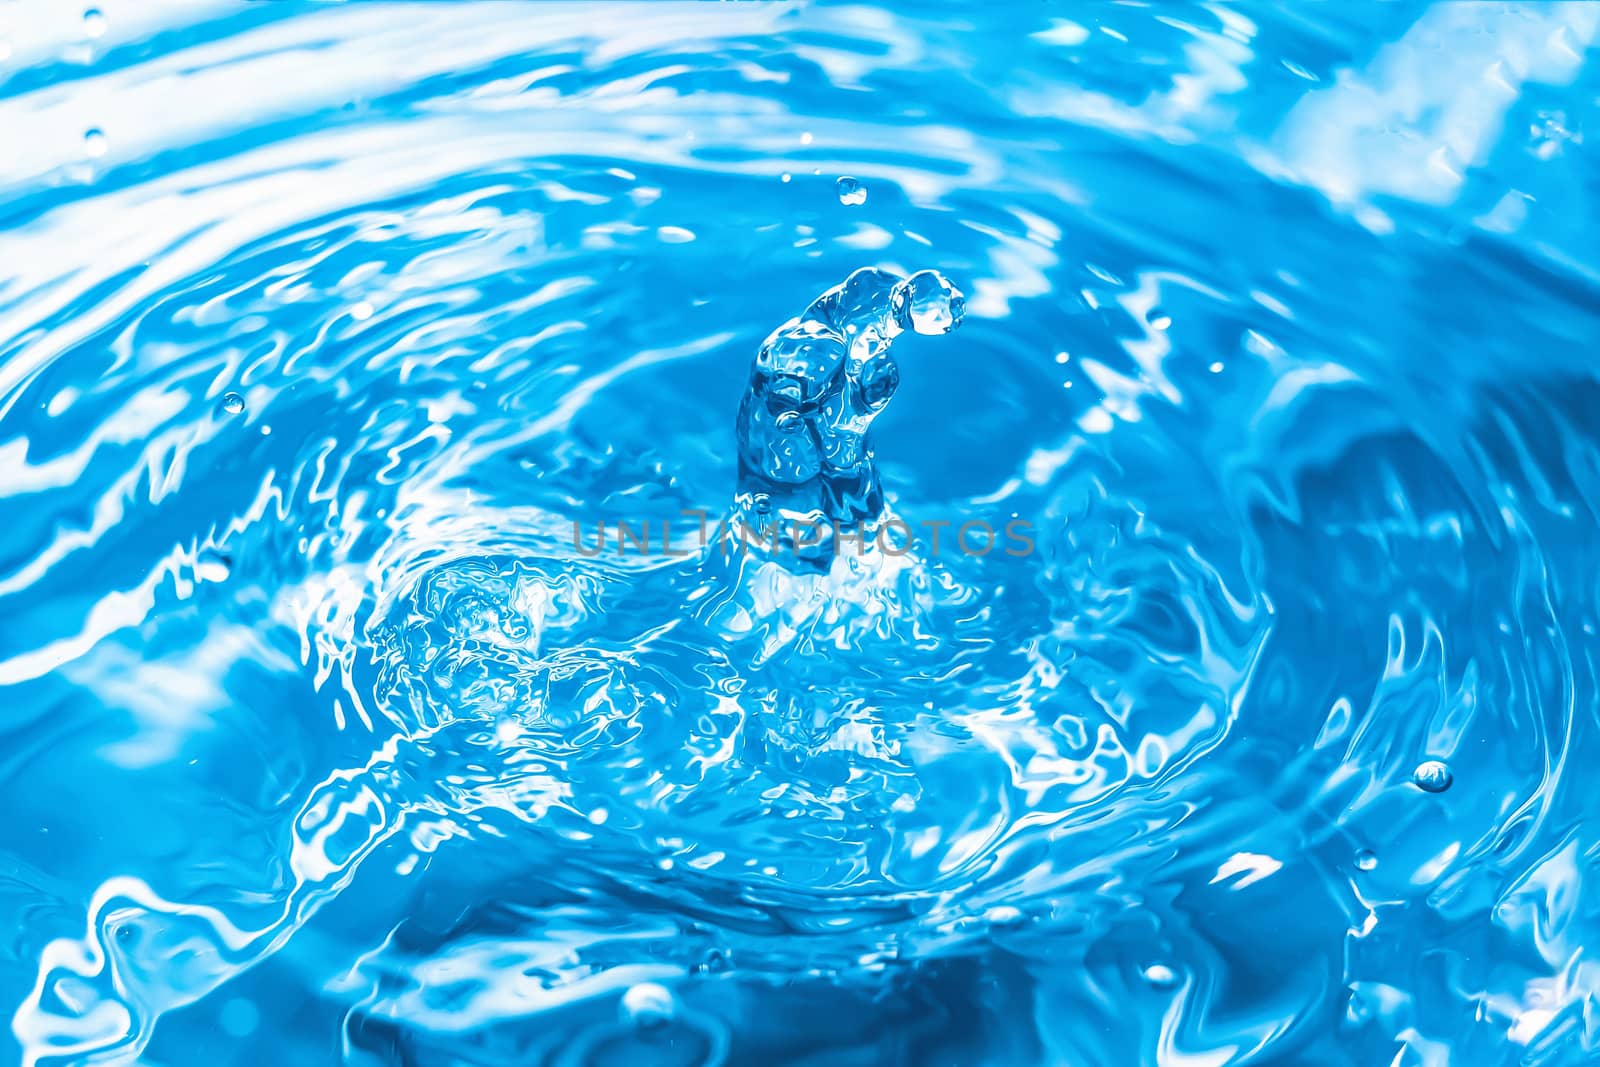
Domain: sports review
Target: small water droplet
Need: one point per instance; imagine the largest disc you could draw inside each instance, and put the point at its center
(806, 138)
(1161, 322)
(599, 816)
(1062, 357)
(94, 22)
(790, 422)
(1003, 915)
(1432, 776)
(851, 191)
(928, 303)
(361, 311)
(1366, 860)
(95, 144)
(1216, 368)
(232, 403)
(786, 177)
(1159, 975)
(816, 171)
(212, 566)
(648, 1005)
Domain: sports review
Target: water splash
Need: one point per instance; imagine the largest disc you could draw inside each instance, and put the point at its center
(331, 733)
(818, 382)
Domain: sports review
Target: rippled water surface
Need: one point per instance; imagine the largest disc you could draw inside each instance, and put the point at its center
(333, 339)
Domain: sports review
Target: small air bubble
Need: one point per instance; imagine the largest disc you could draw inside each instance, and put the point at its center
(95, 144)
(1432, 776)
(1366, 860)
(851, 191)
(94, 22)
(232, 403)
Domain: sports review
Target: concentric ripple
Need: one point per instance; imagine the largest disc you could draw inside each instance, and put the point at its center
(1206, 671)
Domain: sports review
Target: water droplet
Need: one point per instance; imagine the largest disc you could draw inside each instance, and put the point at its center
(1160, 975)
(648, 1005)
(1003, 915)
(232, 403)
(1366, 860)
(95, 144)
(790, 422)
(1062, 357)
(1216, 368)
(786, 177)
(928, 303)
(1432, 776)
(851, 191)
(806, 138)
(362, 311)
(94, 22)
(212, 567)
(816, 171)
(1161, 322)
(599, 816)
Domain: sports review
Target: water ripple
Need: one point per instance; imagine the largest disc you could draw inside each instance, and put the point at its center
(332, 337)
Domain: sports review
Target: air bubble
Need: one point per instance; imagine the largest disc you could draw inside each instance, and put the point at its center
(929, 303)
(1366, 860)
(1432, 776)
(232, 403)
(648, 1006)
(95, 144)
(851, 191)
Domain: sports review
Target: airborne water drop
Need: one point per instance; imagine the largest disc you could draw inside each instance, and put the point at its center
(851, 191)
(1432, 776)
(648, 1005)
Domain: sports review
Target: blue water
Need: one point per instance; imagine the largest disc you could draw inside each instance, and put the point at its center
(1259, 729)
